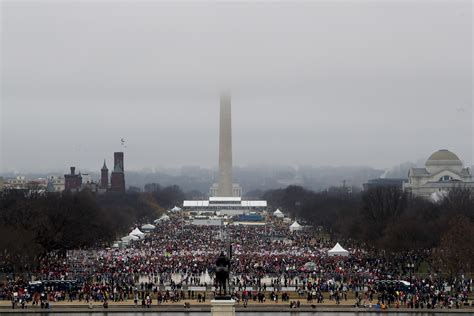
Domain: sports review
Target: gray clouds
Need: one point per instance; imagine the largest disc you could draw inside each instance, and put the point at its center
(325, 83)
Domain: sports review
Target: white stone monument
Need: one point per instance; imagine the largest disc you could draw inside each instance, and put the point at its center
(225, 148)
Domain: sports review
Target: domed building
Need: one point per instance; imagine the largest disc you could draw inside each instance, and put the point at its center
(443, 171)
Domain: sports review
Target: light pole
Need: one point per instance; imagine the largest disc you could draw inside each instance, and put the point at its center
(410, 266)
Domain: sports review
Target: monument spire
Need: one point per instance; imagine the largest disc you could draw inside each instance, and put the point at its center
(225, 148)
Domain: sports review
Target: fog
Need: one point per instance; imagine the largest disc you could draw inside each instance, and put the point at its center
(356, 83)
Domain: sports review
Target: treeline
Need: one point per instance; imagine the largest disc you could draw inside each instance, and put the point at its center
(33, 225)
(390, 221)
(169, 196)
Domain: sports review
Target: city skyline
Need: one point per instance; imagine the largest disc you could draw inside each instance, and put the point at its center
(363, 96)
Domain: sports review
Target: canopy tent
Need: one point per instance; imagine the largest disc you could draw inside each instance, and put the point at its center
(295, 227)
(337, 250)
(148, 227)
(286, 220)
(133, 237)
(278, 214)
(126, 239)
(163, 218)
(175, 209)
(137, 232)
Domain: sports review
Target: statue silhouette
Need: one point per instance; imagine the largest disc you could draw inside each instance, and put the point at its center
(222, 273)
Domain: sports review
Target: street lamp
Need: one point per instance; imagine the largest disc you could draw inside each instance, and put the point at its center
(410, 266)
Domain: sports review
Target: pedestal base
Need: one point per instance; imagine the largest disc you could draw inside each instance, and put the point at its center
(223, 307)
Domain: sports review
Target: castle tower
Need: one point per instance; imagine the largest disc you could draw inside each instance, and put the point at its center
(117, 180)
(225, 148)
(104, 177)
(118, 162)
(72, 181)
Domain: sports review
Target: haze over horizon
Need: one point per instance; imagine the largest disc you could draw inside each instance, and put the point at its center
(323, 84)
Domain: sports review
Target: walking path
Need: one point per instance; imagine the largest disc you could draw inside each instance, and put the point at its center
(128, 306)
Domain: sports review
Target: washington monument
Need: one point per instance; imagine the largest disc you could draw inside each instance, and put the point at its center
(225, 148)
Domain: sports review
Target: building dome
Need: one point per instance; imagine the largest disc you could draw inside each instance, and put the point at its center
(443, 154)
(443, 159)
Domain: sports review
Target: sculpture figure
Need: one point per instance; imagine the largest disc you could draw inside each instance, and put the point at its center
(222, 273)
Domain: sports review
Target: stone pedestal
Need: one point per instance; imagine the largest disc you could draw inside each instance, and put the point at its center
(223, 307)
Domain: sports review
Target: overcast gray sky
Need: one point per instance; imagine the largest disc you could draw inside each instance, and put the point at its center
(325, 83)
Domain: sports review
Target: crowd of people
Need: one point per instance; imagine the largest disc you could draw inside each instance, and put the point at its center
(269, 263)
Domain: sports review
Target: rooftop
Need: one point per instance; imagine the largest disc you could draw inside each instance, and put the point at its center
(443, 154)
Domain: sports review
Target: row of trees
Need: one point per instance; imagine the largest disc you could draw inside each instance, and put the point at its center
(391, 221)
(383, 219)
(34, 225)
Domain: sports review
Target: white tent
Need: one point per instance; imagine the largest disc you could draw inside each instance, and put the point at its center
(148, 227)
(295, 226)
(163, 218)
(278, 214)
(286, 220)
(133, 237)
(337, 250)
(175, 209)
(126, 239)
(137, 232)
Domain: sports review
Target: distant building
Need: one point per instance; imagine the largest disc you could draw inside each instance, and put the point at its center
(117, 181)
(50, 187)
(22, 183)
(86, 178)
(225, 206)
(104, 177)
(384, 183)
(55, 184)
(443, 171)
(89, 183)
(17, 183)
(1, 183)
(72, 181)
(76, 182)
